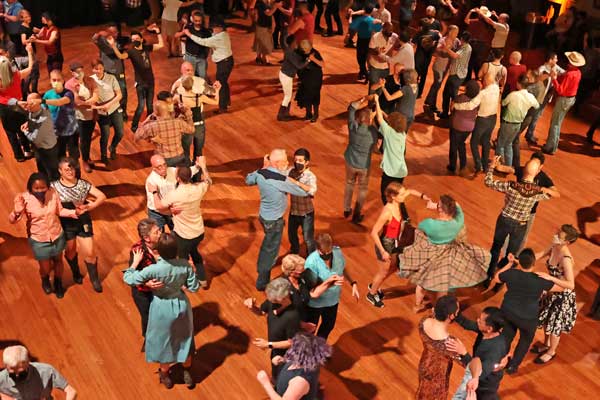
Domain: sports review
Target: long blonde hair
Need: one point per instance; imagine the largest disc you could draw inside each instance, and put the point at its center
(6, 72)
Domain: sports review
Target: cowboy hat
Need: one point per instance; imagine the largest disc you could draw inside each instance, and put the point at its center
(483, 10)
(575, 58)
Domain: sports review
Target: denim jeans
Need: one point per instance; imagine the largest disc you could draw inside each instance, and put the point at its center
(561, 108)
(123, 86)
(506, 135)
(187, 248)
(269, 249)
(161, 220)
(506, 227)
(145, 95)
(375, 74)
(533, 123)
(482, 134)
(307, 222)
(177, 160)
(224, 68)
(431, 100)
(450, 92)
(86, 130)
(422, 61)
(200, 64)
(105, 122)
(461, 391)
(197, 139)
(356, 176)
(457, 148)
(524, 242)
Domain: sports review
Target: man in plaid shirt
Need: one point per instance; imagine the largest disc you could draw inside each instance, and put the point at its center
(164, 129)
(302, 211)
(518, 202)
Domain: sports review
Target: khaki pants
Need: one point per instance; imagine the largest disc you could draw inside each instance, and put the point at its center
(354, 175)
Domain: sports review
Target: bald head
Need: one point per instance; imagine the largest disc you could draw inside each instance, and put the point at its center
(159, 165)
(503, 18)
(532, 168)
(187, 69)
(278, 159)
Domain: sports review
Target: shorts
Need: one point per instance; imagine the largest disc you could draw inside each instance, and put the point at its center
(389, 245)
(47, 250)
(169, 28)
(80, 227)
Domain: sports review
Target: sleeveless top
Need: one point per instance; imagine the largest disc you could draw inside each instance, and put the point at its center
(286, 375)
(308, 30)
(392, 230)
(496, 70)
(557, 270)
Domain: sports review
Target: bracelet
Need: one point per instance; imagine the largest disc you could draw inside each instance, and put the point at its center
(270, 345)
(353, 283)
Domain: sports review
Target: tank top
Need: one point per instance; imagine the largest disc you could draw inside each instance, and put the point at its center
(392, 229)
(496, 70)
(286, 375)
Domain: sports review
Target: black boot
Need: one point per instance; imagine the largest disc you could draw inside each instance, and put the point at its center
(281, 113)
(74, 264)
(309, 113)
(46, 285)
(93, 272)
(59, 291)
(315, 115)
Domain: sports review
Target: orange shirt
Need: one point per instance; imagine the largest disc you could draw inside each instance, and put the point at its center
(43, 224)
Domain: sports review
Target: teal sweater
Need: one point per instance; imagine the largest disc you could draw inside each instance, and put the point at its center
(441, 232)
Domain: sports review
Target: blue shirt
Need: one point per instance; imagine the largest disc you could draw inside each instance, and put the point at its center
(362, 138)
(273, 194)
(65, 121)
(364, 26)
(13, 28)
(319, 267)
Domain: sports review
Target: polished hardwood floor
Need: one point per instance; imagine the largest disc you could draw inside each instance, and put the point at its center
(94, 339)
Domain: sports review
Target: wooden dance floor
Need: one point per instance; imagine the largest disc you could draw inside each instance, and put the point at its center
(94, 339)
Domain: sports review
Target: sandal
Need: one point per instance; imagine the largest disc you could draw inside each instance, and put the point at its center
(540, 361)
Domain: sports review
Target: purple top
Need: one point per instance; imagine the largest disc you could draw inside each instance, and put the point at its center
(464, 120)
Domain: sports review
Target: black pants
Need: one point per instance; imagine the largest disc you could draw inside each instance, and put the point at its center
(11, 122)
(54, 61)
(142, 301)
(333, 10)
(224, 68)
(86, 129)
(593, 127)
(526, 329)
(422, 61)
(362, 51)
(595, 308)
(30, 84)
(515, 230)
(385, 181)
(450, 92)
(279, 30)
(479, 54)
(311, 7)
(327, 315)
(47, 162)
(69, 144)
(145, 96)
(187, 248)
(307, 222)
(458, 149)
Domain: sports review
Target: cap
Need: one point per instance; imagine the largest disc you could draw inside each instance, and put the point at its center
(75, 65)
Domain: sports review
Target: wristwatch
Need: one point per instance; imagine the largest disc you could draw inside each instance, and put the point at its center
(270, 345)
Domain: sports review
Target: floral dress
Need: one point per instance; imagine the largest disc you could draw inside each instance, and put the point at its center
(558, 310)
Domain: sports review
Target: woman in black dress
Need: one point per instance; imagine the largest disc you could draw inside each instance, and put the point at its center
(389, 89)
(311, 80)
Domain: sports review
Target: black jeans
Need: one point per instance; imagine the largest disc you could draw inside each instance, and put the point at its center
(311, 7)
(362, 51)
(69, 144)
(123, 86)
(269, 249)
(46, 161)
(526, 327)
(515, 230)
(11, 122)
(145, 95)
(224, 68)
(187, 248)
(422, 61)
(385, 181)
(142, 301)
(105, 122)
(86, 129)
(482, 134)
(328, 315)
(333, 10)
(307, 222)
(450, 91)
(457, 148)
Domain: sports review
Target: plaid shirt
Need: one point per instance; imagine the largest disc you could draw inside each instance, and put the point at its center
(147, 260)
(520, 196)
(166, 133)
(304, 205)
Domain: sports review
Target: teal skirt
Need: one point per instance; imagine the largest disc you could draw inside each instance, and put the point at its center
(47, 250)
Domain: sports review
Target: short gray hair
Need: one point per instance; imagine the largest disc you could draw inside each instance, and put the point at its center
(290, 263)
(278, 155)
(13, 356)
(278, 289)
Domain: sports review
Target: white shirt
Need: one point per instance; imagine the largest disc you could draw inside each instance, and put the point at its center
(164, 185)
(489, 99)
(405, 56)
(219, 43)
(382, 45)
(517, 104)
(500, 35)
(197, 85)
(546, 69)
(384, 15)
(170, 10)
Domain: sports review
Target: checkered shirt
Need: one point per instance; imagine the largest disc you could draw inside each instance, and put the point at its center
(304, 205)
(166, 133)
(520, 196)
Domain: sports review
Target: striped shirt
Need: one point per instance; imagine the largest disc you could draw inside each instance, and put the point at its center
(460, 65)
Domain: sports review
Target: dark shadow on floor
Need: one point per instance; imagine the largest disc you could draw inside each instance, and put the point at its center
(244, 165)
(587, 215)
(13, 246)
(577, 143)
(340, 79)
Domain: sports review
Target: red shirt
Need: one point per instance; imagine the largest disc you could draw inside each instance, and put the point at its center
(308, 30)
(13, 91)
(44, 34)
(512, 76)
(147, 260)
(566, 85)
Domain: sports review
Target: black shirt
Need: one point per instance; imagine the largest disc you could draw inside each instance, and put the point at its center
(20, 49)
(194, 48)
(112, 64)
(541, 179)
(301, 296)
(490, 352)
(142, 64)
(263, 20)
(523, 293)
(280, 327)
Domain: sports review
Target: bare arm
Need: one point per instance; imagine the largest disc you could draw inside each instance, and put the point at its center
(122, 56)
(52, 39)
(160, 44)
(25, 72)
(98, 196)
(378, 112)
(70, 392)
(296, 26)
(383, 219)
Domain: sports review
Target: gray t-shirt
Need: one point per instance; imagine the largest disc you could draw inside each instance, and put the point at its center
(107, 90)
(41, 379)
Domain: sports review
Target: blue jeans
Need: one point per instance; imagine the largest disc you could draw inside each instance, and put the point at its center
(482, 134)
(269, 249)
(197, 139)
(105, 122)
(161, 220)
(145, 95)
(307, 222)
(461, 391)
(200, 64)
(533, 123)
(506, 135)
(561, 108)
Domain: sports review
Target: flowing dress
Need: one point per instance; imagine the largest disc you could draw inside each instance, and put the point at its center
(558, 310)
(170, 333)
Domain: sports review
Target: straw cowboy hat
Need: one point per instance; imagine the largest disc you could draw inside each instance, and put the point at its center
(485, 11)
(575, 58)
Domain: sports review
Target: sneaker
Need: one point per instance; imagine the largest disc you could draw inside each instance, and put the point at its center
(379, 292)
(375, 300)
